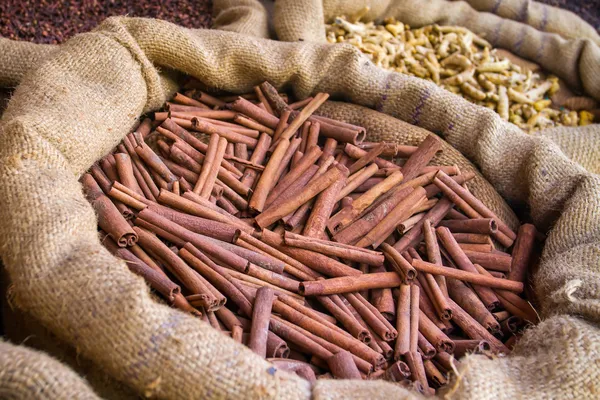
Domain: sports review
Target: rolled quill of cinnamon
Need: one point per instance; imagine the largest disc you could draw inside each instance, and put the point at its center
(291, 236)
(109, 218)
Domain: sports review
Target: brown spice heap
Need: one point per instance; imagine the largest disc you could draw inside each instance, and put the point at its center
(290, 234)
(53, 22)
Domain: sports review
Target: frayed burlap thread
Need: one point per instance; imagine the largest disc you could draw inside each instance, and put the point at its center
(84, 98)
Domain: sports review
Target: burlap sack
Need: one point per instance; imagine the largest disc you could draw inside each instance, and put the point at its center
(20, 327)
(541, 16)
(251, 17)
(576, 60)
(84, 97)
(31, 374)
(579, 61)
(580, 144)
(16, 60)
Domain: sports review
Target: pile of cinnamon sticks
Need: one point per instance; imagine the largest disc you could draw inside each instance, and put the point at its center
(328, 255)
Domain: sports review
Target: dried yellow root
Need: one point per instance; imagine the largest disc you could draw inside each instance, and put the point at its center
(463, 63)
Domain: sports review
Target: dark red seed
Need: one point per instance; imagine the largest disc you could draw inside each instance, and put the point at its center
(54, 21)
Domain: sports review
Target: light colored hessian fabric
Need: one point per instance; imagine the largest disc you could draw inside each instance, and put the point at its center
(85, 97)
(31, 374)
(542, 17)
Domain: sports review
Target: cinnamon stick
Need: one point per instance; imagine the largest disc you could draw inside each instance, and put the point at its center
(212, 168)
(387, 225)
(475, 278)
(402, 267)
(110, 219)
(315, 261)
(153, 161)
(303, 115)
(367, 222)
(125, 170)
(415, 234)
(496, 262)
(199, 210)
(261, 313)
(415, 316)
(191, 280)
(392, 149)
(210, 246)
(415, 364)
(522, 253)
(245, 107)
(285, 160)
(468, 300)
(210, 128)
(433, 334)
(309, 158)
(342, 366)
(370, 315)
(182, 99)
(426, 348)
(463, 262)
(403, 322)
(421, 157)
(474, 330)
(476, 238)
(348, 252)
(322, 209)
(346, 319)
(347, 215)
(484, 226)
(366, 159)
(349, 284)
(157, 280)
(356, 153)
(216, 275)
(478, 206)
(382, 299)
(311, 190)
(433, 254)
(266, 181)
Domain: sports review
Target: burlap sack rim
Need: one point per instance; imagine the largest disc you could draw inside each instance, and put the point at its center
(158, 99)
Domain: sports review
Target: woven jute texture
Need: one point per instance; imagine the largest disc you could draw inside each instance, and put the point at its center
(17, 59)
(31, 374)
(249, 16)
(541, 16)
(581, 144)
(84, 97)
